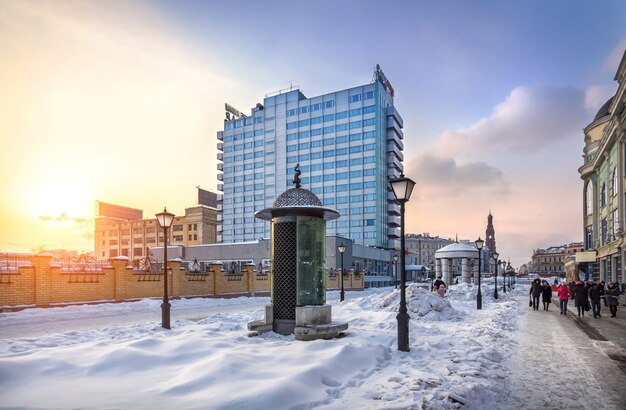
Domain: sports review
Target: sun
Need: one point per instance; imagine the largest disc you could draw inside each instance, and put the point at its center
(61, 202)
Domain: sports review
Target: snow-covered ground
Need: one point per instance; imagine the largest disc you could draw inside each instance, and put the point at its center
(456, 352)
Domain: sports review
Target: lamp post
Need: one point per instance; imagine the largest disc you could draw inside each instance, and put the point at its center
(495, 290)
(395, 266)
(479, 296)
(341, 248)
(503, 264)
(165, 220)
(402, 188)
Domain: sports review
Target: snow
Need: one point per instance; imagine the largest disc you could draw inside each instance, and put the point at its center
(458, 353)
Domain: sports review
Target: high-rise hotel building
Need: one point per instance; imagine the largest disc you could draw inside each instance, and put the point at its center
(348, 144)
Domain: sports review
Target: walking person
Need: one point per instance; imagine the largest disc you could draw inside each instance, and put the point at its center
(535, 292)
(546, 295)
(563, 293)
(595, 296)
(612, 298)
(580, 296)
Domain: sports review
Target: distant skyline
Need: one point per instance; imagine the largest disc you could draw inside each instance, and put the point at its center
(121, 102)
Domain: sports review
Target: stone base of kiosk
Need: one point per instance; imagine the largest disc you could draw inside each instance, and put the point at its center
(314, 322)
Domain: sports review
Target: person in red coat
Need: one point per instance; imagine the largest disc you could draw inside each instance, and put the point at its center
(563, 293)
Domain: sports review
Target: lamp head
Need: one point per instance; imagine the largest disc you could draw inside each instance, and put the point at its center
(479, 243)
(165, 218)
(402, 188)
(341, 248)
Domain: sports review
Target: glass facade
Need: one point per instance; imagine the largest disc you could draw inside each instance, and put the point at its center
(348, 144)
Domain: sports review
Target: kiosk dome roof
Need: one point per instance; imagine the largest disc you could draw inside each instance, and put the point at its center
(297, 197)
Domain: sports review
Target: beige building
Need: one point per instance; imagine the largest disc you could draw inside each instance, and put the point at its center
(604, 189)
(118, 237)
(551, 261)
(421, 248)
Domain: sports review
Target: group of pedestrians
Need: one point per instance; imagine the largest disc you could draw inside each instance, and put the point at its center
(586, 296)
(540, 289)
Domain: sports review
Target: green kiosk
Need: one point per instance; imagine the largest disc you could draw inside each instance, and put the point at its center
(298, 267)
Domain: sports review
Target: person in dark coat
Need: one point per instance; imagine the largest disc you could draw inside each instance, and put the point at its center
(437, 283)
(580, 297)
(535, 291)
(602, 287)
(595, 296)
(546, 294)
(612, 298)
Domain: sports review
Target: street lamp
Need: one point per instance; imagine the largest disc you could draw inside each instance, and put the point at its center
(495, 258)
(402, 188)
(165, 220)
(479, 297)
(341, 248)
(503, 264)
(395, 265)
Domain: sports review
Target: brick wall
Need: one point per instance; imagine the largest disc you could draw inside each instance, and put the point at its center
(44, 283)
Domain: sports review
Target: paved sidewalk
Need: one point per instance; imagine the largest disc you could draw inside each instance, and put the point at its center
(557, 365)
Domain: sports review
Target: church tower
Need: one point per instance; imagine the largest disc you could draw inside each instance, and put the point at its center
(490, 235)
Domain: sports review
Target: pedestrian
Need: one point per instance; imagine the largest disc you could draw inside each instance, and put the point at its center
(603, 291)
(535, 291)
(595, 296)
(612, 298)
(441, 290)
(563, 293)
(581, 296)
(546, 294)
(438, 283)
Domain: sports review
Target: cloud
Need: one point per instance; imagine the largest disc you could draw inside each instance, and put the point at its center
(596, 96)
(530, 119)
(440, 176)
(63, 217)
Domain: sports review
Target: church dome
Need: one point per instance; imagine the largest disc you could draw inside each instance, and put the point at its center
(604, 110)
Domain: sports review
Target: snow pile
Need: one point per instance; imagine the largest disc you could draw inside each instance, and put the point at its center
(209, 362)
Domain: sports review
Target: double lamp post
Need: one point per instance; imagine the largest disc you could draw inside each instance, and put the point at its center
(402, 188)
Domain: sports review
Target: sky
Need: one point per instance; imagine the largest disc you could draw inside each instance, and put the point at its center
(116, 355)
(121, 101)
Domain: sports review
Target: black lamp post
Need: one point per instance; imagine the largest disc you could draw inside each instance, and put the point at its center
(165, 220)
(495, 290)
(479, 296)
(402, 188)
(341, 248)
(503, 264)
(395, 265)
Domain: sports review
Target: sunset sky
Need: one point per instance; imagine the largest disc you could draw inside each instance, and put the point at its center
(120, 101)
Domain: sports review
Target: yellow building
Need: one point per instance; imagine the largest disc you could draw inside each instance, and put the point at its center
(133, 238)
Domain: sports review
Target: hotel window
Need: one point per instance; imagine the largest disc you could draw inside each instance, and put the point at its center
(137, 240)
(150, 239)
(177, 238)
(177, 228)
(138, 252)
(113, 242)
(190, 236)
(125, 242)
(329, 104)
(138, 231)
(603, 195)
(614, 182)
(125, 231)
(355, 98)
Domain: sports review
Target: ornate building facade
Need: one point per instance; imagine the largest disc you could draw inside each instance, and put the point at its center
(604, 189)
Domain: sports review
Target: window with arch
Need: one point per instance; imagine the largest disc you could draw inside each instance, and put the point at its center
(614, 182)
(603, 195)
(589, 198)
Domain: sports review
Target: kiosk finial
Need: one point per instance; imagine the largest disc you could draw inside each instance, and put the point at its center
(296, 178)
